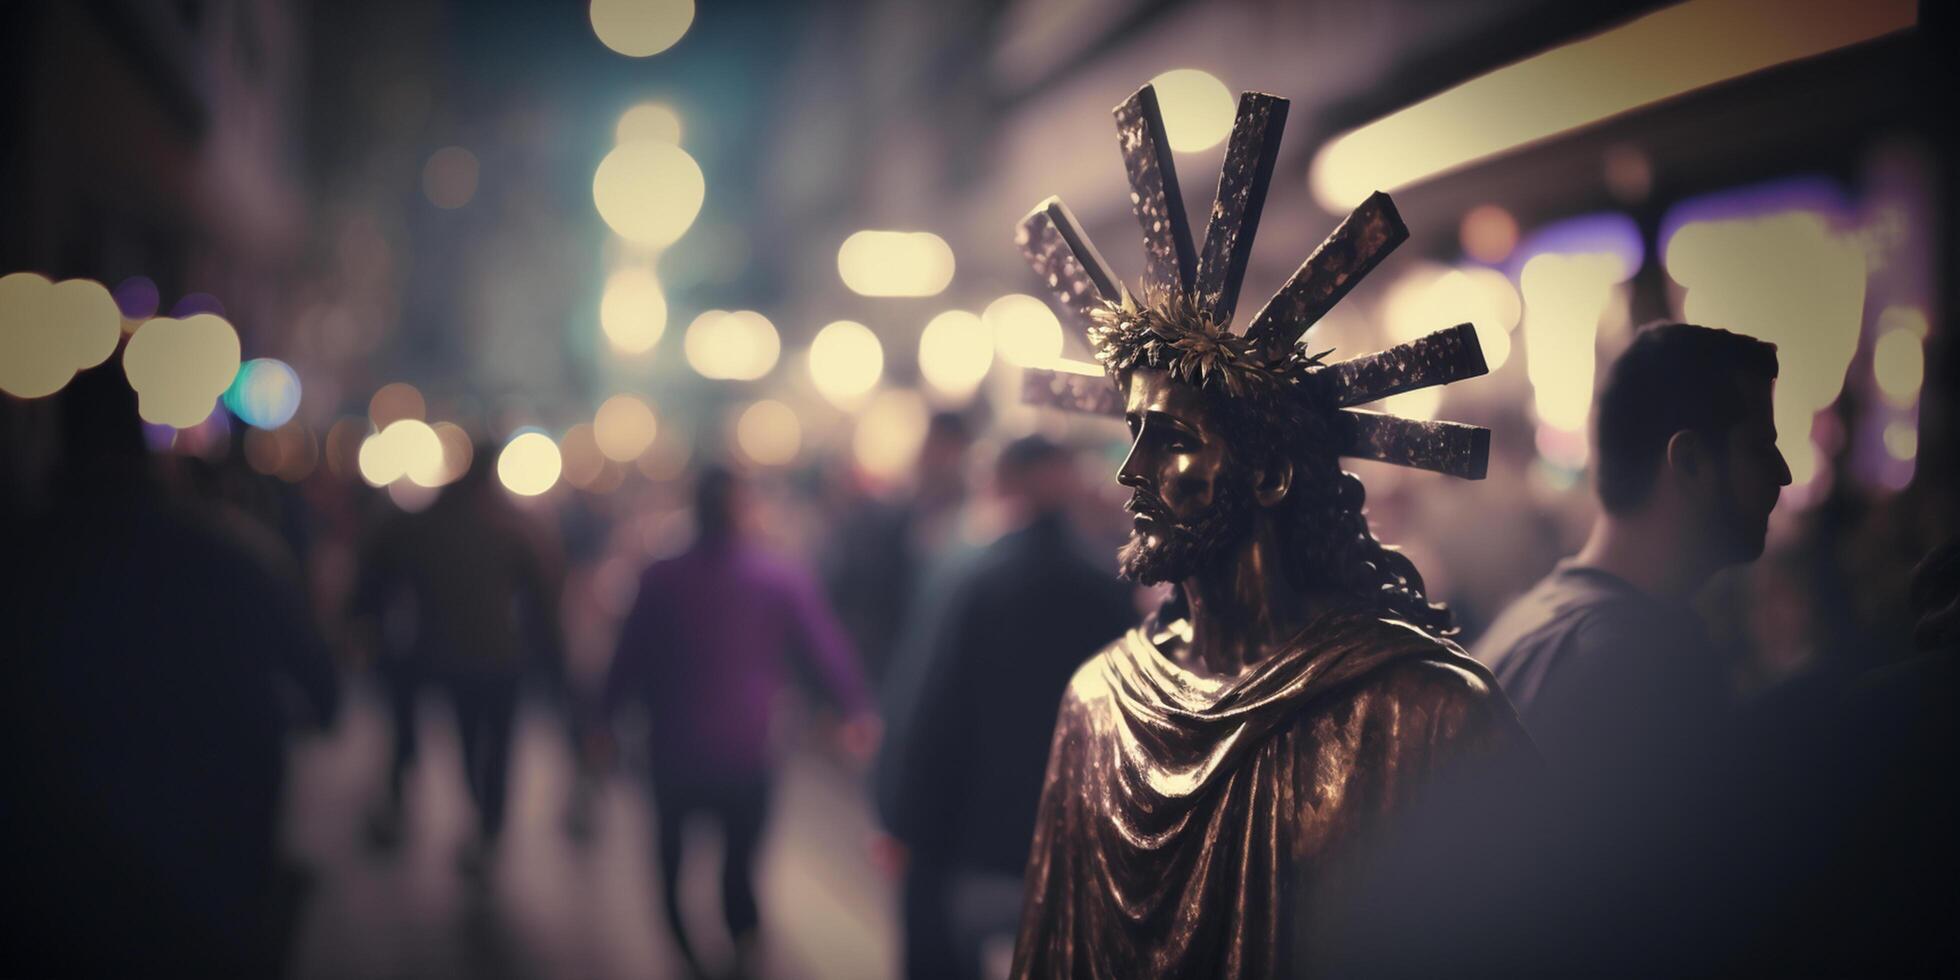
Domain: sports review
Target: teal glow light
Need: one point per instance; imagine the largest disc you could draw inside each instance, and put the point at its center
(264, 394)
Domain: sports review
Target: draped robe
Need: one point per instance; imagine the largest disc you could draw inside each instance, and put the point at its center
(1183, 813)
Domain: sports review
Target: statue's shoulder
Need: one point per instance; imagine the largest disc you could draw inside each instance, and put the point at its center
(1090, 684)
(1430, 671)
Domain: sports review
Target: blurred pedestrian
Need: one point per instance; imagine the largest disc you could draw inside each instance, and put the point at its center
(151, 643)
(963, 761)
(475, 595)
(881, 550)
(706, 650)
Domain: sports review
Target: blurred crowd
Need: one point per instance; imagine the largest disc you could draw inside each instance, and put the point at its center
(172, 621)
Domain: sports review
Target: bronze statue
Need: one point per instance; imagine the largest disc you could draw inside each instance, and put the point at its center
(1298, 687)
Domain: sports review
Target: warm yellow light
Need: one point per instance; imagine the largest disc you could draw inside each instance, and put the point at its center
(624, 427)
(1026, 332)
(406, 449)
(1488, 233)
(649, 191)
(1801, 457)
(49, 331)
(1662, 55)
(393, 401)
(529, 464)
(1899, 364)
(738, 346)
(638, 28)
(895, 263)
(449, 178)
(1902, 440)
(649, 121)
(1430, 298)
(1787, 278)
(846, 361)
(1565, 296)
(457, 451)
(633, 311)
(955, 352)
(180, 367)
(889, 432)
(1198, 109)
(578, 448)
(768, 433)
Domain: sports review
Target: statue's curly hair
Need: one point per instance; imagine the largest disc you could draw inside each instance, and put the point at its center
(1274, 410)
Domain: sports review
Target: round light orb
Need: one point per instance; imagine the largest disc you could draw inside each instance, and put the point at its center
(649, 121)
(180, 367)
(649, 192)
(895, 263)
(449, 177)
(1899, 365)
(458, 450)
(265, 394)
(846, 361)
(393, 401)
(737, 346)
(955, 353)
(1026, 332)
(890, 430)
(768, 433)
(624, 427)
(1198, 109)
(529, 464)
(583, 461)
(639, 28)
(49, 331)
(633, 311)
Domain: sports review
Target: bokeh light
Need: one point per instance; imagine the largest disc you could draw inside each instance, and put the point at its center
(768, 433)
(1198, 109)
(895, 263)
(406, 449)
(624, 427)
(529, 464)
(180, 367)
(955, 352)
(394, 401)
(1429, 298)
(846, 361)
(1901, 440)
(1026, 332)
(737, 346)
(1565, 296)
(449, 177)
(639, 28)
(649, 121)
(649, 192)
(890, 430)
(458, 450)
(49, 331)
(1899, 356)
(1488, 233)
(582, 460)
(633, 311)
(1784, 276)
(265, 393)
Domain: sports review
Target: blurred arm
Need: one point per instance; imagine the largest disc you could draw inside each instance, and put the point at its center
(821, 638)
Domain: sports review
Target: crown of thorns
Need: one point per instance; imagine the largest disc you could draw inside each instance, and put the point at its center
(1182, 322)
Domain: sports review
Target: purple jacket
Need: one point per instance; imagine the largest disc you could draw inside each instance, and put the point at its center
(706, 647)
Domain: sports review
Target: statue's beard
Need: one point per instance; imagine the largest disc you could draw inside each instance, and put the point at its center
(1180, 549)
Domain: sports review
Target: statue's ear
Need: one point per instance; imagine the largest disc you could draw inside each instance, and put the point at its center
(1272, 481)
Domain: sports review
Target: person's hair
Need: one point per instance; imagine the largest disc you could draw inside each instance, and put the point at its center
(1674, 377)
(715, 487)
(1023, 455)
(1322, 515)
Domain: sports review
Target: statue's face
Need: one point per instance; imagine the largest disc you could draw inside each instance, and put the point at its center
(1189, 495)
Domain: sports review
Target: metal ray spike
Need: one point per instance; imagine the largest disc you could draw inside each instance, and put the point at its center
(1071, 269)
(1442, 447)
(1441, 358)
(1355, 248)
(1169, 262)
(1242, 186)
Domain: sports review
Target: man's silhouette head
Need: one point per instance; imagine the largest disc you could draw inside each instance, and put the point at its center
(1685, 435)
